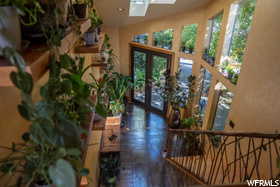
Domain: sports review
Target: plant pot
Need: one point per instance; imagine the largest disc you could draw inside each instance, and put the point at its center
(175, 119)
(80, 10)
(113, 122)
(10, 32)
(91, 37)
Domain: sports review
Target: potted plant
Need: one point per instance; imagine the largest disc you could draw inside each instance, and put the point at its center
(118, 86)
(80, 7)
(10, 31)
(92, 35)
(174, 93)
(51, 150)
(109, 169)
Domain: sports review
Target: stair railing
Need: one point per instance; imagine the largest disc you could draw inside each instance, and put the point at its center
(219, 157)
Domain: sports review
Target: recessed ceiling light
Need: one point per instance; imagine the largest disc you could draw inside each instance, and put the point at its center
(163, 1)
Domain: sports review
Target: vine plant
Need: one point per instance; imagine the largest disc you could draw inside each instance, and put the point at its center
(51, 148)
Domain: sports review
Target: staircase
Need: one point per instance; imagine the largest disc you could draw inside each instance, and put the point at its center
(224, 158)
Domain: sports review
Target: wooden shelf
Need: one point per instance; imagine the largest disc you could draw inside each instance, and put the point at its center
(98, 65)
(87, 49)
(37, 56)
(108, 145)
(83, 49)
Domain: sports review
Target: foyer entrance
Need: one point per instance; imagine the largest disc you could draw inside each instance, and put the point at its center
(149, 69)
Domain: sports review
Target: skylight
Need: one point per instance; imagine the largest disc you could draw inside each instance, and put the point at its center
(139, 7)
(162, 1)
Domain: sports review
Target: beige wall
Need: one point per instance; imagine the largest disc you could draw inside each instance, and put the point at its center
(255, 105)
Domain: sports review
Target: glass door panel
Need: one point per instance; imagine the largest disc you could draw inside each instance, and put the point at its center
(140, 61)
(159, 67)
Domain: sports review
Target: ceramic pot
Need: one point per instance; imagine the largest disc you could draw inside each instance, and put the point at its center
(10, 32)
(91, 37)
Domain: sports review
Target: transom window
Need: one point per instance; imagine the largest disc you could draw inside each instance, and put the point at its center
(163, 39)
(188, 38)
(239, 24)
(141, 38)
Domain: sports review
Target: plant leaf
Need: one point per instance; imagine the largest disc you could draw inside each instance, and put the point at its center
(62, 174)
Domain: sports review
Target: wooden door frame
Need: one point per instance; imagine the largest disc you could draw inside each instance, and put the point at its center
(149, 51)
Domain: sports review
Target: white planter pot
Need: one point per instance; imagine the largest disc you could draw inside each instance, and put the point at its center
(91, 37)
(10, 33)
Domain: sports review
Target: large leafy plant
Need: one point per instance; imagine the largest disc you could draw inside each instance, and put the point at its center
(51, 148)
(117, 88)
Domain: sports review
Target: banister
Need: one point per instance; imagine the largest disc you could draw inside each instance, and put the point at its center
(275, 135)
(222, 157)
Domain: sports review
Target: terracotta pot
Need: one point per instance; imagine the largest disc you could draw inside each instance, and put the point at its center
(10, 32)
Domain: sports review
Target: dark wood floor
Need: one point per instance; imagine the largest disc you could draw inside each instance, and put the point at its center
(142, 143)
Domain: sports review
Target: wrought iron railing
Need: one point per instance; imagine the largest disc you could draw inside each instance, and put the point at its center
(218, 157)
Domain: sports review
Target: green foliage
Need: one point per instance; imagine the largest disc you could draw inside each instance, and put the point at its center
(174, 93)
(216, 29)
(163, 39)
(188, 37)
(241, 30)
(139, 70)
(51, 152)
(96, 21)
(49, 23)
(110, 164)
(188, 123)
(28, 8)
(62, 174)
(118, 85)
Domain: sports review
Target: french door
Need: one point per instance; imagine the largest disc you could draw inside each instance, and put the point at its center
(149, 69)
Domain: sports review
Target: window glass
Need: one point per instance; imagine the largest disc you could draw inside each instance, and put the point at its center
(163, 39)
(212, 38)
(141, 38)
(188, 38)
(185, 69)
(223, 107)
(205, 84)
(239, 24)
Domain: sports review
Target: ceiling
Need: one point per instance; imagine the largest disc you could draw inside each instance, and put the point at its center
(108, 10)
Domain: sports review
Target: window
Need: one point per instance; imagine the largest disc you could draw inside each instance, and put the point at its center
(205, 83)
(163, 39)
(212, 38)
(223, 107)
(188, 38)
(239, 24)
(185, 69)
(141, 38)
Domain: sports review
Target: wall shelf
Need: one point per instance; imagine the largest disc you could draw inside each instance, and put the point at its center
(37, 56)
